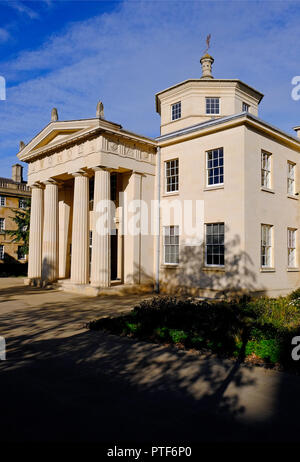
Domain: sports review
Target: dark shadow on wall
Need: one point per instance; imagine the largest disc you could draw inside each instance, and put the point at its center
(192, 276)
(12, 267)
(48, 272)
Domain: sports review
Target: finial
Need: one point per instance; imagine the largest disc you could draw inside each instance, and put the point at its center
(22, 145)
(54, 115)
(207, 61)
(100, 110)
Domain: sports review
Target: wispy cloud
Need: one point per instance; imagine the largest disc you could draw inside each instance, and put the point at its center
(4, 35)
(22, 8)
(126, 56)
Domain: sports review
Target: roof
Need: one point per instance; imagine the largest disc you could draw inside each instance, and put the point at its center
(9, 180)
(235, 117)
(211, 81)
(75, 130)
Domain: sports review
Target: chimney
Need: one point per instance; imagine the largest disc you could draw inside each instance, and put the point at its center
(297, 130)
(206, 63)
(17, 173)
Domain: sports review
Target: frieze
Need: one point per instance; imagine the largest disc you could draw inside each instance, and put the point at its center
(127, 150)
(110, 145)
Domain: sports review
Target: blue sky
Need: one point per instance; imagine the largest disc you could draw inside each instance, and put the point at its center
(69, 54)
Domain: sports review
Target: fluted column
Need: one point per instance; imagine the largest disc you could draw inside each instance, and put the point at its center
(63, 231)
(50, 234)
(132, 230)
(80, 230)
(35, 233)
(100, 268)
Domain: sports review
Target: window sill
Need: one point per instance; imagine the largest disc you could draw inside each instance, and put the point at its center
(167, 194)
(214, 268)
(292, 196)
(263, 188)
(169, 265)
(217, 186)
(267, 270)
(293, 270)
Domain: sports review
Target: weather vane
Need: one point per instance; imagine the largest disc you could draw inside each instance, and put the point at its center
(207, 43)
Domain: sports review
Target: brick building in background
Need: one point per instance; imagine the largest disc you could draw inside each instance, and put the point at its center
(13, 193)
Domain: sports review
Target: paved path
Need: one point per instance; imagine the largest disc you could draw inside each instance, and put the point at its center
(64, 383)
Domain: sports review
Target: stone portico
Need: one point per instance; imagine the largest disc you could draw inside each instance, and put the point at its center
(73, 166)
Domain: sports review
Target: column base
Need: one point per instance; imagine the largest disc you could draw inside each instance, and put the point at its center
(118, 290)
(82, 289)
(35, 282)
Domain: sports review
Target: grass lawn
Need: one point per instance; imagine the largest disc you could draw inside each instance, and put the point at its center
(257, 330)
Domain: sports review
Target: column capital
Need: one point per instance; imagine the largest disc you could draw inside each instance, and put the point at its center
(80, 173)
(52, 182)
(137, 172)
(101, 168)
(37, 186)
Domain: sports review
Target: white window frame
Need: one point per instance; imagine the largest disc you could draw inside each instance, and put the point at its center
(171, 176)
(177, 109)
(291, 177)
(210, 98)
(292, 247)
(171, 242)
(2, 252)
(266, 169)
(2, 228)
(245, 107)
(219, 243)
(2, 201)
(214, 167)
(266, 245)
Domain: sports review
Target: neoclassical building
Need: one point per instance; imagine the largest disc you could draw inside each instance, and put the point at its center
(213, 150)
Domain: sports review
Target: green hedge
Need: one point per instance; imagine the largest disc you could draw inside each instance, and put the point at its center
(262, 327)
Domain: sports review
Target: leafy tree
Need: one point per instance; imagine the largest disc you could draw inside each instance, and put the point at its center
(22, 220)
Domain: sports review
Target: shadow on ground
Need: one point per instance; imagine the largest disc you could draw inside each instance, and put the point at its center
(63, 383)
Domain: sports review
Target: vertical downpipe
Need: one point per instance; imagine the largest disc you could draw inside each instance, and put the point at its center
(158, 225)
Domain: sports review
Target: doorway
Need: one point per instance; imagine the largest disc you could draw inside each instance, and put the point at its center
(114, 255)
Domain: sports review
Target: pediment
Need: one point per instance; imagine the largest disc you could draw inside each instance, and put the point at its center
(56, 134)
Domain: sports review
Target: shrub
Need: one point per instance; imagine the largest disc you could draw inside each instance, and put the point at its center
(178, 336)
(295, 295)
(269, 350)
(263, 326)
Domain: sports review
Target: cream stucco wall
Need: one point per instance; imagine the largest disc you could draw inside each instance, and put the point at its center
(192, 96)
(274, 208)
(242, 205)
(221, 204)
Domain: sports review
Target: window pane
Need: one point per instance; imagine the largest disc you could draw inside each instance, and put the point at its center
(171, 244)
(214, 168)
(212, 105)
(265, 169)
(266, 245)
(176, 110)
(214, 244)
(171, 175)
